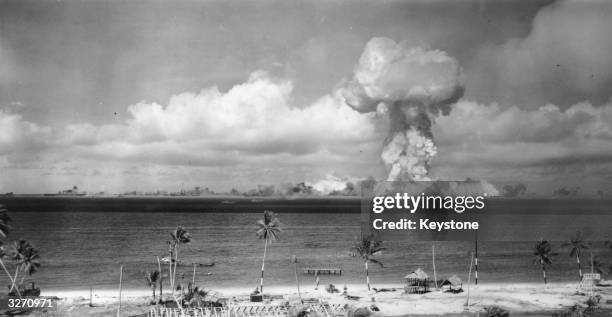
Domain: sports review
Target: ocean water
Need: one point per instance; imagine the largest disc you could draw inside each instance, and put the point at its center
(81, 249)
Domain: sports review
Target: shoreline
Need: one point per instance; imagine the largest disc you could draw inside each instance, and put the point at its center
(518, 298)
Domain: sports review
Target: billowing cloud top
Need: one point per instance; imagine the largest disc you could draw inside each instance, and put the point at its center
(252, 117)
(388, 71)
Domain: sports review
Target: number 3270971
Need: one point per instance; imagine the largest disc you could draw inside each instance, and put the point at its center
(30, 302)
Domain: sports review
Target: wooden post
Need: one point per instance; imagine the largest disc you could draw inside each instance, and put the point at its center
(433, 259)
(90, 295)
(592, 267)
(120, 278)
(193, 277)
(161, 277)
(476, 258)
(467, 302)
(297, 281)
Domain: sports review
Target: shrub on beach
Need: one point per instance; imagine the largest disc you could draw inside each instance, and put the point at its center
(496, 311)
(574, 311)
(592, 305)
(364, 311)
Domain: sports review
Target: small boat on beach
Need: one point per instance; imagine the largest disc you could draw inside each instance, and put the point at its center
(167, 260)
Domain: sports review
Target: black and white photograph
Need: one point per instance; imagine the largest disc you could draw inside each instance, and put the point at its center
(328, 158)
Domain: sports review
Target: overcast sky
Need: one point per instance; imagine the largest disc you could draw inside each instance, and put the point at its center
(144, 95)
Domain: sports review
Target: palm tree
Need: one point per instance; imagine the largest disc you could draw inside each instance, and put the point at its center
(294, 260)
(25, 257)
(577, 244)
(367, 249)
(179, 236)
(269, 229)
(4, 229)
(543, 253)
(152, 278)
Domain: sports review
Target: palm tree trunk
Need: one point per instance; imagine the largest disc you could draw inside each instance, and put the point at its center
(170, 276)
(10, 277)
(153, 288)
(120, 287)
(161, 277)
(433, 260)
(367, 277)
(171, 251)
(297, 281)
(467, 301)
(543, 272)
(14, 285)
(263, 262)
(579, 266)
(176, 259)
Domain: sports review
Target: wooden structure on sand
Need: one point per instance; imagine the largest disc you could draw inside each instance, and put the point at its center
(455, 285)
(588, 282)
(330, 310)
(417, 282)
(323, 270)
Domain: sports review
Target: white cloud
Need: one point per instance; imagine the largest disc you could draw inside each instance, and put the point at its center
(488, 135)
(566, 57)
(255, 118)
(17, 134)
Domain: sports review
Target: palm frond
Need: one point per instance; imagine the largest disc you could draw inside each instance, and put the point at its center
(152, 277)
(367, 248)
(269, 227)
(4, 221)
(376, 262)
(180, 235)
(543, 252)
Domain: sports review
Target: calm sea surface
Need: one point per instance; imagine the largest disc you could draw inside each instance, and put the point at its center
(85, 249)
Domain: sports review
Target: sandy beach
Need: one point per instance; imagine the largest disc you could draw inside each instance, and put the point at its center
(519, 299)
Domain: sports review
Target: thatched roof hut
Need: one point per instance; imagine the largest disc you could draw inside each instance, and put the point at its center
(417, 274)
(417, 282)
(454, 283)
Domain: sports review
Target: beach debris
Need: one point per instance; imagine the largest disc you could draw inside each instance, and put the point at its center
(496, 311)
(331, 288)
(378, 290)
(300, 311)
(352, 297)
(168, 260)
(364, 311)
